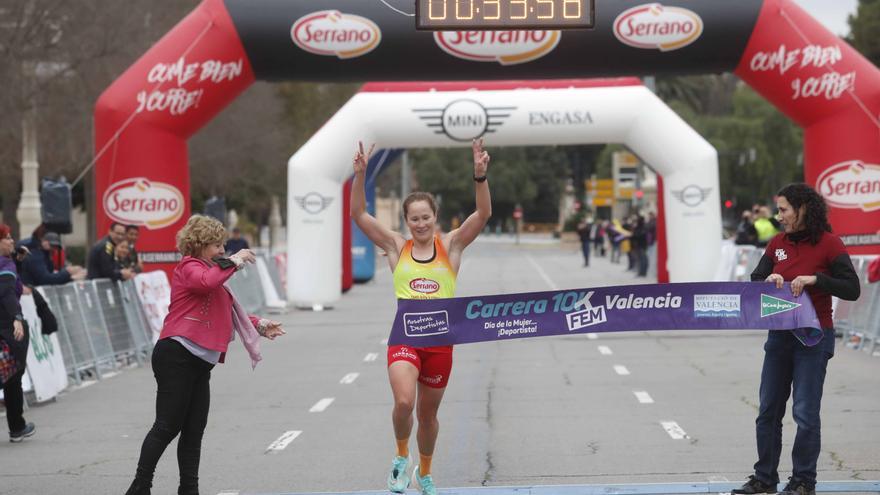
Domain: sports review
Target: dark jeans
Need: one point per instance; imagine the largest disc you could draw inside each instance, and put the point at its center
(790, 365)
(13, 397)
(182, 401)
(585, 249)
(642, 259)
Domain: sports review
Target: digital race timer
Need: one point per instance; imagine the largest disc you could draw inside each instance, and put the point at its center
(504, 14)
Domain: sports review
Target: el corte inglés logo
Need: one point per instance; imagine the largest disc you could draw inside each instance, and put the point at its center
(504, 47)
(773, 305)
(139, 201)
(658, 27)
(851, 184)
(330, 32)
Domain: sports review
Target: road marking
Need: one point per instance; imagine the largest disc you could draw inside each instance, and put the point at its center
(592, 336)
(605, 350)
(542, 273)
(282, 442)
(674, 430)
(229, 492)
(620, 369)
(349, 378)
(371, 357)
(643, 397)
(322, 404)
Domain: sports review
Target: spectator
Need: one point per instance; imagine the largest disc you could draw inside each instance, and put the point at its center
(764, 226)
(132, 232)
(236, 243)
(102, 262)
(745, 231)
(124, 260)
(639, 242)
(583, 230)
(597, 234)
(38, 269)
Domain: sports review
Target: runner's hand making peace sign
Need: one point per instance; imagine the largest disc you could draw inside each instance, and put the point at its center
(361, 159)
(481, 158)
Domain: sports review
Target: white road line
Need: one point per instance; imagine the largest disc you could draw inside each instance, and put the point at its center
(592, 336)
(282, 442)
(620, 369)
(605, 350)
(643, 397)
(674, 430)
(322, 404)
(542, 273)
(371, 357)
(228, 492)
(349, 378)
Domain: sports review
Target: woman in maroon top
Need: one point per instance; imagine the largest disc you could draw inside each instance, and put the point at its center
(201, 320)
(814, 261)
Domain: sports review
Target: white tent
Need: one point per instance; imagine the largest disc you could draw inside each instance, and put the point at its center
(421, 115)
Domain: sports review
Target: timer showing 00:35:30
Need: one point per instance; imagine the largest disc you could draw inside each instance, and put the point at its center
(438, 15)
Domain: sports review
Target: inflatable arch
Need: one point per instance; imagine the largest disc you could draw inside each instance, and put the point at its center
(523, 113)
(143, 120)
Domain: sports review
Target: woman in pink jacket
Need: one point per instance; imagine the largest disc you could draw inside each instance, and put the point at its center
(202, 319)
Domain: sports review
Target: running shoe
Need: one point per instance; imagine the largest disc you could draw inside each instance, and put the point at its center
(17, 436)
(398, 481)
(425, 484)
(798, 487)
(753, 486)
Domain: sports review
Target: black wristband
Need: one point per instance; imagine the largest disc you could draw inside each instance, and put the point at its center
(480, 179)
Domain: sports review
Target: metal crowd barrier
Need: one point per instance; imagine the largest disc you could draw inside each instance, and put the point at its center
(248, 289)
(101, 326)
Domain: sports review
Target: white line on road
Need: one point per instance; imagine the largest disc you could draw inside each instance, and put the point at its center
(674, 430)
(542, 273)
(371, 357)
(229, 492)
(605, 350)
(620, 369)
(349, 378)
(643, 397)
(322, 404)
(592, 336)
(282, 442)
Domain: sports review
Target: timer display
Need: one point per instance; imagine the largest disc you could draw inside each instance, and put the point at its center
(465, 15)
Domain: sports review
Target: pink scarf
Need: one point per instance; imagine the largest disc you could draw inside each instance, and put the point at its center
(245, 330)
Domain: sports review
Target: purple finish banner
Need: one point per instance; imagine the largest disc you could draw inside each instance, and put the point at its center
(685, 306)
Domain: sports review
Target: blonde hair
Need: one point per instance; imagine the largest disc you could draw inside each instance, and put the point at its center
(199, 231)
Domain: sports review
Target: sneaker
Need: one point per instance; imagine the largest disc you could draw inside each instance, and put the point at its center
(798, 487)
(754, 485)
(398, 481)
(425, 483)
(17, 436)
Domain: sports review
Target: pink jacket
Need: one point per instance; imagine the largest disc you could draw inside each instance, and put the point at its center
(201, 306)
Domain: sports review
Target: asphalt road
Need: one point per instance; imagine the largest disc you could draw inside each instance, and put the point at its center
(641, 407)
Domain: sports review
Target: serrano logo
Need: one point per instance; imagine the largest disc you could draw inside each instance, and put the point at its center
(654, 26)
(138, 201)
(463, 120)
(424, 285)
(330, 32)
(504, 47)
(851, 184)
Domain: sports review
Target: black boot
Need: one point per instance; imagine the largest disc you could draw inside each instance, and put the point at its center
(753, 486)
(139, 487)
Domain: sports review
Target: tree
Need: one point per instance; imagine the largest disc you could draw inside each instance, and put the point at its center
(864, 28)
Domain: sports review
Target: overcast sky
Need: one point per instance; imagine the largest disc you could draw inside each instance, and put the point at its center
(831, 13)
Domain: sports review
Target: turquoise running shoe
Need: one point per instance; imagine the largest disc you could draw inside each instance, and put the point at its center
(425, 483)
(398, 481)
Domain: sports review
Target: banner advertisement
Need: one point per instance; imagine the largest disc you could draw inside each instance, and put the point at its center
(685, 306)
(45, 365)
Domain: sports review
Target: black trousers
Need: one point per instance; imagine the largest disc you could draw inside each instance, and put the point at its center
(13, 396)
(182, 401)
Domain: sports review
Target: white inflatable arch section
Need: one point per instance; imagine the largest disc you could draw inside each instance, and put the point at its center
(397, 115)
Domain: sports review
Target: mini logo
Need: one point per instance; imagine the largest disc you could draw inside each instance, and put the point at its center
(692, 195)
(424, 285)
(852, 185)
(464, 120)
(773, 305)
(425, 324)
(654, 26)
(139, 201)
(313, 202)
(330, 32)
(780, 255)
(716, 305)
(504, 47)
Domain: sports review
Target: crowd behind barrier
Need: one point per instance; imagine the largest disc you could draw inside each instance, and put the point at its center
(105, 326)
(858, 321)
